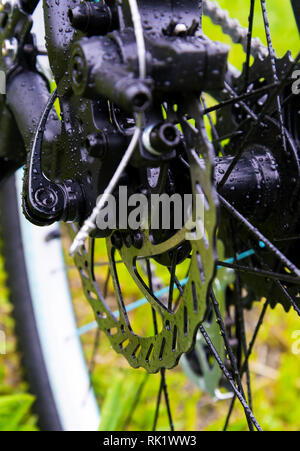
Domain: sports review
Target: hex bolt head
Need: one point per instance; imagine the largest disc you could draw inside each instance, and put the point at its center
(96, 145)
(116, 240)
(138, 239)
(45, 197)
(161, 138)
(78, 71)
(128, 240)
(180, 29)
(10, 48)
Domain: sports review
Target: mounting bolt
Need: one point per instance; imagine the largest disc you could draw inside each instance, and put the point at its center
(78, 70)
(138, 239)
(10, 48)
(128, 240)
(161, 138)
(92, 18)
(180, 29)
(96, 145)
(116, 240)
(46, 197)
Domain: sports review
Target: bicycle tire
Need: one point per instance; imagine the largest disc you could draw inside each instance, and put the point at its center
(52, 413)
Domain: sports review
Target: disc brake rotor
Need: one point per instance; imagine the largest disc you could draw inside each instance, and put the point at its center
(178, 333)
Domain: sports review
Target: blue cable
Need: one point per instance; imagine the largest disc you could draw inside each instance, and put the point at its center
(134, 305)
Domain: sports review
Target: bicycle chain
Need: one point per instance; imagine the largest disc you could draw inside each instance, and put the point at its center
(233, 28)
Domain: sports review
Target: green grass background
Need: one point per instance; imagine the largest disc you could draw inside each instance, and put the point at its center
(275, 369)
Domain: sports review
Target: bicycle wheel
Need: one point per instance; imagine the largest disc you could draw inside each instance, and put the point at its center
(237, 159)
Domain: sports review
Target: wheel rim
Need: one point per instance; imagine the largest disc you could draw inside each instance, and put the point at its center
(66, 366)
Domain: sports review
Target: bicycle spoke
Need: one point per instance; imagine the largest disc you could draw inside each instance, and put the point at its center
(163, 389)
(215, 135)
(201, 13)
(172, 279)
(230, 411)
(135, 402)
(274, 70)
(241, 333)
(290, 238)
(241, 97)
(289, 297)
(92, 363)
(230, 352)
(240, 102)
(228, 136)
(167, 400)
(158, 402)
(249, 352)
(253, 231)
(149, 273)
(283, 289)
(274, 95)
(260, 272)
(255, 334)
(249, 42)
(229, 377)
(163, 386)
